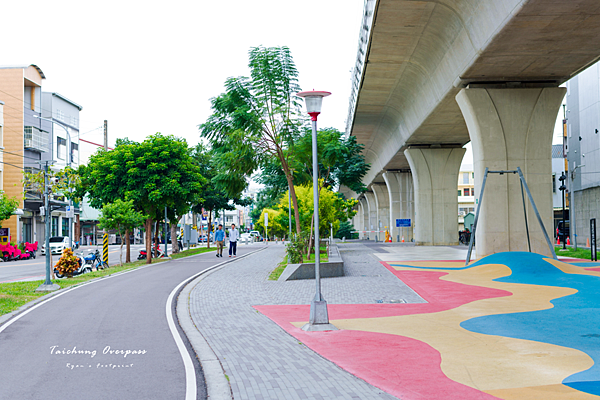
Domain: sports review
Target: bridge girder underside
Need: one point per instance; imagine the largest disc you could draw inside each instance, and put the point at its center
(419, 54)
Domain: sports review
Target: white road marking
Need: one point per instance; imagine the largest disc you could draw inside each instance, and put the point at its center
(190, 371)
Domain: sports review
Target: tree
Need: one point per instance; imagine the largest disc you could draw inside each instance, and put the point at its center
(333, 208)
(155, 173)
(221, 190)
(275, 228)
(7, 207)
(257, 118)
(122, 217)
(341, 162)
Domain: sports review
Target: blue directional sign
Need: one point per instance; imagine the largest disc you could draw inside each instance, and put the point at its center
(403, 223)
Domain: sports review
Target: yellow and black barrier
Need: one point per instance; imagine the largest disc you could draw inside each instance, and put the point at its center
(105, 248)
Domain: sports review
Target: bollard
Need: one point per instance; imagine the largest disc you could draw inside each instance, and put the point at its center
(105, 248)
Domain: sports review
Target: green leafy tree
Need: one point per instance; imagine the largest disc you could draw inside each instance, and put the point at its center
(63, 184)
(122, 217)
(257, 119)
(275, 228)
(155, 173)
(7, 207)
(220, 191)
(333, 208)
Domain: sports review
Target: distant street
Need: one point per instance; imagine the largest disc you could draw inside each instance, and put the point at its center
(35, 269)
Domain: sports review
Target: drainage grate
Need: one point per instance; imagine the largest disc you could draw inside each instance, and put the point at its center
(395, 301)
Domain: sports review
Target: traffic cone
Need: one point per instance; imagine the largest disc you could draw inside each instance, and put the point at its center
(558, 240)
(587, 243)
(402, 239)
(568, 241)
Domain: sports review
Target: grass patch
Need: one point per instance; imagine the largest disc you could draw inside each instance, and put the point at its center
(16, 294)
(279, 270)
(584, 254)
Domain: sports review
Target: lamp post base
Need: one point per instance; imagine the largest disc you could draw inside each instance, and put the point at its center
(319, 327)
(319, 318)
(47, 288)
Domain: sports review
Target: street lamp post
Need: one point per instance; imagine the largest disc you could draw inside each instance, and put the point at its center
(562, 188)
(319, 318)
(68, 165)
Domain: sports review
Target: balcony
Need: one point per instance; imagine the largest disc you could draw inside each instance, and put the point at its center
(34, 139)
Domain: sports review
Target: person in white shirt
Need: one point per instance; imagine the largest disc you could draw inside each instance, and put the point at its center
(233, 237)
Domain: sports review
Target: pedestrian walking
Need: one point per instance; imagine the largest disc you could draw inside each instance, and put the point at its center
(220, 240)
(233, 237)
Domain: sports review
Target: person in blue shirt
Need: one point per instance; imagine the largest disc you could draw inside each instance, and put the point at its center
(220, 239)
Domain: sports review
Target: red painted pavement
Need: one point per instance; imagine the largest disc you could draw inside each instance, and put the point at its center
(404, 367)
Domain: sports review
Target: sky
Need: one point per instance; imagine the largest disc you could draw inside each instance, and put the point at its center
(151, 67)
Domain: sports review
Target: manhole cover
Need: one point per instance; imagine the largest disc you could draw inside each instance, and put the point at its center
(395, 301)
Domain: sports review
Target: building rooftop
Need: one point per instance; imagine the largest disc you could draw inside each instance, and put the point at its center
(23, 67)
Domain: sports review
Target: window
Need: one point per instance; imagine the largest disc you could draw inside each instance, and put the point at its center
(54, 226)
(473, 175)
(459, 193)
(466, 192)
(465, 178)
(74, 153)
(553, 183)
(65, 226)
(61, 148)
(59, 115)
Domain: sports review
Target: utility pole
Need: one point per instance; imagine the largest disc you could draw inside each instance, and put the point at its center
(47, 286)
(105, 135)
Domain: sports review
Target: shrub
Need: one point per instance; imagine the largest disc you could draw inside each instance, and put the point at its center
(68, 263)
(296, 248)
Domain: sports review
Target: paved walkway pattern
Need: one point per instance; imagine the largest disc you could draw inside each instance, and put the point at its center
(509, 326)
(261, 360)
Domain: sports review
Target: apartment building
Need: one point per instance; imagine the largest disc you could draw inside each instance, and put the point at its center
(25, 139)
(466, 190)
(65, 114)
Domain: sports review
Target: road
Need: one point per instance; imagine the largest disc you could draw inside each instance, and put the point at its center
(126, 314)
(35, 269)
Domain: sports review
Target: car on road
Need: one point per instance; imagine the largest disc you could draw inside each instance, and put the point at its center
(560, 230)
(57, 244)
(246, 236)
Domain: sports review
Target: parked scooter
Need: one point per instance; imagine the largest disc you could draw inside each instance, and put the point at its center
(157, 253)
(95, 260)
(83, 268)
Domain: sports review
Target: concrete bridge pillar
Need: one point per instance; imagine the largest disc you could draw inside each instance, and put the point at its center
(435, 178)
(383, 207)
(512, 128)
(364, 205)
(359, 219)
(399, 185)
(373, 216)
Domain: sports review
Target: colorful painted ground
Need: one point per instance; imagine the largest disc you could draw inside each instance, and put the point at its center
(510, 326)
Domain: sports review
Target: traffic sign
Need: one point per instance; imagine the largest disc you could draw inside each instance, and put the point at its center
(403, 223)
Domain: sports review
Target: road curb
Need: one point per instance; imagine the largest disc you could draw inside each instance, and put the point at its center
(217, 385)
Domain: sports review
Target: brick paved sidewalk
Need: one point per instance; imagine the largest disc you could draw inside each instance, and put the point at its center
(260, 359)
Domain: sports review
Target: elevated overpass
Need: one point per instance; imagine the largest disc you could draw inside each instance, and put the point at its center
(432, 75)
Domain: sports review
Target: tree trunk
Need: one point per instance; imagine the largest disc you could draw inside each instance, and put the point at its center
(149, 241)
(290, 181)
(121, 255)
(156, 239)
(174, 244)
(310, 237)
(128, 249)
